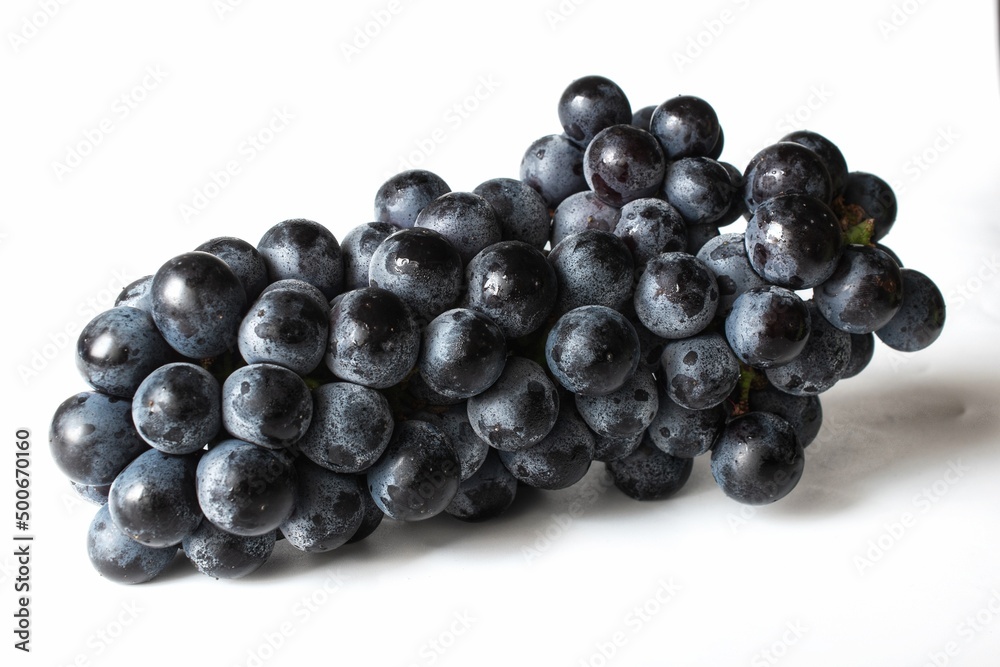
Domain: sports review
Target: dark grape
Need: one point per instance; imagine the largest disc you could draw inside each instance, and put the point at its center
(592, 350)
(306, 250)
(821, 362)
(403, 196)
(768, 326)
(580, 212)
(328, 509)
(864, 291)
(513, 284)
(676, 296)
(686, 126)
(118, 348)
(518, 410)
(685, 433)
(590, 104)
(223, 555)
(357, 248)
(623, 163)
(592, 267)
(920, 318)
(649, 227)
(726, 257)
(623, 412)
(700, 188)
(757, 459)
(350, 427)
(121, 559)
(245, 261)
(785, 168)
(828, 153)
(519, 208)
(875, 197)
(862, 351)
(649, 473)
(286, 327)
(803, 413)
(486, 494)
(553, 167)
(469, 447)
(462, 353)
(267, 405)
(558, 460)
(465, 219)
(136, 294)
(421, 267)
(699, 372)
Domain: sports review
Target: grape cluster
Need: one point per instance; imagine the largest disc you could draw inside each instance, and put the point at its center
(463, 344)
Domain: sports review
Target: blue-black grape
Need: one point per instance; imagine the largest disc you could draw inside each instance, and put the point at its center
(421, 267)
(864, 291)
(685, 433)
(372, 514)
(803, 413)
(153, 499)
(95, 494)
(726, 257)
(862, 351)
(768, 326)
(592, 267)
(350, 427)
(462, 353)
(794, 241)
(223, 555)
(757, 459)
(519, 208)
(580, 212)
(92, 438)
(118, 348)
(465, 219)
(118, 557)
(469, 447)
(648, 227)
(485, 494)
(518, 410)
(418, 474)
(640, 117)
(136, 294)
(558, 460)
(245, 261)
(828, 153)
(700, 188)
(592, 350)
(590, 104)
(686, 126)
(785, 168)
(553, 167)
(328, 508)
(699, 372)
(306, 250)
(821, 362)
(178, 408)
(357, 248)
(623, 163)
(286, 327)
(197, 303)
(875, 197)
(267, 405)
(404, 195)
(649, 473)
(513, 284)
(920, 318)
(676, 296)
(245, 489)
(623, 412)
(374, 338)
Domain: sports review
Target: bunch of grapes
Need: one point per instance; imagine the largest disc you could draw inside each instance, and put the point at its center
(467, 343)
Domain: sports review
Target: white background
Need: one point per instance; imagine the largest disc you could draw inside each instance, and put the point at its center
(829, 576)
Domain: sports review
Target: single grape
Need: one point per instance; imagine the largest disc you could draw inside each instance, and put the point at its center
(641, 117)
(726, 257)
(648, 227)
(357, 248)
(285, 327)
(699, 372)
(580, 212)
(553, 167)
(92, 438)
(649, 473)
(306, 250)
(864, 291)
(794, 241)
(518, 410)
(803, 413)
(623, 163)
(676, 296)
(469, 447)
(828, 153)
(418, 474)
(700, 188)
(513, 284)
(558, 460)
(121, 559)
(785, 168)
(592, 350)
(267, 405)
(920, 318)
(153, 499)
(350, 427)
(592, 267)
(421, 267)
(136, 294)
(223, 555)
(118, 348)
(462, 353)
(590, 104)
(245, 489)
(686, 126)
(197, 303)
(875, 197)
(623, 412)
(465, 219)
(374, 338)
(685, 433)
(485, 494)
(768, 326)
(862, 351)
(328, 509)
(757, 459)
(96, 494)
(519, 208)
(245, 261)
(820, 364)
(404, 195)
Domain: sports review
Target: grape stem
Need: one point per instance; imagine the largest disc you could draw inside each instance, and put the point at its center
(855, 224)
